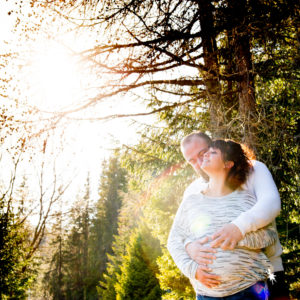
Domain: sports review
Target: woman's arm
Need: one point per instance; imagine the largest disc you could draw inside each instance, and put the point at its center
(186, 265)
(176, 248)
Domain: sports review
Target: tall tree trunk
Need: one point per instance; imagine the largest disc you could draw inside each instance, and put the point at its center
(85, 249)
(243, 61)
(211, 76)
(60, 284)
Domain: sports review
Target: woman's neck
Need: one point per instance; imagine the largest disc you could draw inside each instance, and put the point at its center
(217, 187)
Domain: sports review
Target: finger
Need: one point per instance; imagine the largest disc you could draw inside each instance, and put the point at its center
(226, 245)
(204, 240)
(203, 261)
(232, 245)
(211, 284)
(205, 255)
(217, 242)
(216, 234)
(212, 277)
(213, 281)
(204, 268)
(207, 249)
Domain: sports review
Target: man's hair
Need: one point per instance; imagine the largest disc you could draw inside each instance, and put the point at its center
(232, 151)
(196, 134)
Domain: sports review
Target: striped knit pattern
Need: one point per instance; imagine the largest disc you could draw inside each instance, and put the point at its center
(199, 216)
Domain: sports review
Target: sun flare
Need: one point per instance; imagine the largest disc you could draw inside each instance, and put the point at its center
(54, 78)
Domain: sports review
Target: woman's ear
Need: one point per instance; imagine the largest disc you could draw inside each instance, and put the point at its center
(229, 164)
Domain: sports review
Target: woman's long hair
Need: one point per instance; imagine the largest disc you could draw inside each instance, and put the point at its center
(232, 151)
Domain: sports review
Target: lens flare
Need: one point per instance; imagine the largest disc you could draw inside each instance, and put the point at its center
(260, 291)
(200, 224)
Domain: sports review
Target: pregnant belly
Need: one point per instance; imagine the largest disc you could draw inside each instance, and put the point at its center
(239, 265)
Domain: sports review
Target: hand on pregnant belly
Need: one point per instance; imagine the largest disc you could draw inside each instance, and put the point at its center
(200, 253)
(207, 279)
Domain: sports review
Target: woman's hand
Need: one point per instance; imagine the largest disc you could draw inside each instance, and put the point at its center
(207, 279)
(202, 255)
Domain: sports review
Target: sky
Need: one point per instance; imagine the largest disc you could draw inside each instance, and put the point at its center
(49, 77)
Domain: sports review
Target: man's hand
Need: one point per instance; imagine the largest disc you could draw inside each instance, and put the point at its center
(209, 280)
(227, 237)
(199, 253)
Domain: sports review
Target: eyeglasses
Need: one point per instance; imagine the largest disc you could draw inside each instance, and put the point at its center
(202, 152)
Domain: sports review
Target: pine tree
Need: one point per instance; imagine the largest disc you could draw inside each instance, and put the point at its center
(68, 275)
(137, 279)
(53, 278)
(77, 252)
(105, 224)
(17, 269)
(127, 222)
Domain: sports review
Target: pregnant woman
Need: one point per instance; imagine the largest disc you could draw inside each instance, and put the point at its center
(242, 271)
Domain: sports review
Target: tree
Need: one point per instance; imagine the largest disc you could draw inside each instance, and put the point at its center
(69, 269)
(19, 239)
(113, 184)
(53, 278)
(17, 271)
(204, 49)
(128, 219)
(219, 66)
(137, 279)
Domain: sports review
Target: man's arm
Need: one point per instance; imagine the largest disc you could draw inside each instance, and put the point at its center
(261, 238)
(268, 204)
(267, 207)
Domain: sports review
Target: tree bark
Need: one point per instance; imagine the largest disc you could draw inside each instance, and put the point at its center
(211, 76)
(243, 62)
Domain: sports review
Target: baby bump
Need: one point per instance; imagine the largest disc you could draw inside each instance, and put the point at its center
(239, 265)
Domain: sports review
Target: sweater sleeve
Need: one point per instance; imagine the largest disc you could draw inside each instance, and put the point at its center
(176, 247)
(261, 238)
(267, 207)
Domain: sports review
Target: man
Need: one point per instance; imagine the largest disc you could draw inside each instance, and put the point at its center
(260, 184)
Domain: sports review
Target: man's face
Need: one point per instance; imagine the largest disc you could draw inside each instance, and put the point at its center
(194, 151)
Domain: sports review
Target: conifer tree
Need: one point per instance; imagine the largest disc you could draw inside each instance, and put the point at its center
(77, 250)
(68, 275)
(53, 278)
(137, 279)
(105, 224)
(17, 269)
(127, 221)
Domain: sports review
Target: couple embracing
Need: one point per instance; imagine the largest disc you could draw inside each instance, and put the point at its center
(224, 236)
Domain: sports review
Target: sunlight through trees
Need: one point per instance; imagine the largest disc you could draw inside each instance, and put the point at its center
(95, 98)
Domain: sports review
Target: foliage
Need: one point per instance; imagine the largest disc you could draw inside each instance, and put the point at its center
(127, 222)
(164, 198)
(80, 256)
(112, 186)
(137, 279)
(204, 48)
(68, 273)
(218, 66)
(17, 272)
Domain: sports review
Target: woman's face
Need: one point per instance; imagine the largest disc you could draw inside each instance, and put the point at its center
(213, 161)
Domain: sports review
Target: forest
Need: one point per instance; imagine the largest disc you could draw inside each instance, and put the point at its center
(92, 171)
